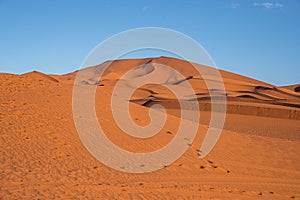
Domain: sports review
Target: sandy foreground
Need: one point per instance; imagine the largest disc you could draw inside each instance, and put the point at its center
(42, 156)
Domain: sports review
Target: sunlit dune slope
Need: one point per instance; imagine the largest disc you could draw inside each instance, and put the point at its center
(42, 156)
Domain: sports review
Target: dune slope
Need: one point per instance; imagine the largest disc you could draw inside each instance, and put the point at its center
(42, 157)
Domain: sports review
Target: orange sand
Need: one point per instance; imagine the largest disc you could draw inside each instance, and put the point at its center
(42, 157)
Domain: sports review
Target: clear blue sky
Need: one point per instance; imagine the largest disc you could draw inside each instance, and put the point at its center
(260, 39)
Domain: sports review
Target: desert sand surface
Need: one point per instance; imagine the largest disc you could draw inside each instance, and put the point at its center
(42, 156)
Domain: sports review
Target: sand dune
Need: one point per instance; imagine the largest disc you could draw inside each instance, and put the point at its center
(42, 157)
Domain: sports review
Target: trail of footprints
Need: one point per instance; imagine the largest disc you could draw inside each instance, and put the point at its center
(211, 165)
